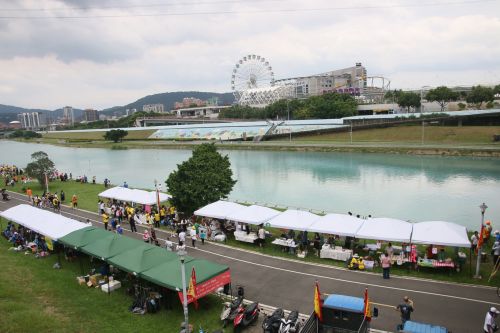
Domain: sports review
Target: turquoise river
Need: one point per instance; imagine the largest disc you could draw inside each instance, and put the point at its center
(413, 188)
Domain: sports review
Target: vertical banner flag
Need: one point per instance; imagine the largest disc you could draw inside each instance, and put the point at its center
(192, 288)
(481, 239)
(317, 302)
(367, 310)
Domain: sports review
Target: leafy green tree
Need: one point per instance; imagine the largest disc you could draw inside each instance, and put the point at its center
(39, 166)
(115, 135)
(479, 95)
(496, 89)
(408, 100)
(204, 178)
(443, 95)
(462, 106)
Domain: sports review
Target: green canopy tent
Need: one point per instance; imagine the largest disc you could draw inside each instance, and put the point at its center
(142, 258)
(78, 239)
(169, 274)
(108, 247)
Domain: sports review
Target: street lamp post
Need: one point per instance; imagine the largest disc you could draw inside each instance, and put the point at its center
(182, 256)
(288, 111)
(478, 263)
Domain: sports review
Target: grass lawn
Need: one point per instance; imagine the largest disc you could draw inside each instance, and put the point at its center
(139, 134)
(34, 297)
(410, 134)
(86, 193)
(87, 199)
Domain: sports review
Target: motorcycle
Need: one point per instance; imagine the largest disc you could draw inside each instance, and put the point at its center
(245, 316)
(229, 311)
(272, 323)
(290, 324)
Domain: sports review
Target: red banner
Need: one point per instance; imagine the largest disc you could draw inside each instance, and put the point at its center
(209, 286)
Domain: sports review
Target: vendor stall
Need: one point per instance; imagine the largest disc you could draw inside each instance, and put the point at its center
(386, 229)
(219, 209)
(253, 215)
(440, 233)
(337, 224)
(134, 195)
(42, 221)
(293, 219)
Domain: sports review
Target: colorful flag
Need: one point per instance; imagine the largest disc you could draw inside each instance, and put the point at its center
(317, 302)
(481, 239)
(367, 310)
(192, 288)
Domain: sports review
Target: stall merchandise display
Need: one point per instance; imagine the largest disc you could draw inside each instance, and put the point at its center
(336, 253)
(242, 236)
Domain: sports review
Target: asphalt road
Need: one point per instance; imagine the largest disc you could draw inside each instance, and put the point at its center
(289, 284)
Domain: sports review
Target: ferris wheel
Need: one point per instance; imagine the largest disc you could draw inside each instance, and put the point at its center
(250, 72)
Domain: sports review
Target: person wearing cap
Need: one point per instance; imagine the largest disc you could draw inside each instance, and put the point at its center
(406, 308)
(490, 325)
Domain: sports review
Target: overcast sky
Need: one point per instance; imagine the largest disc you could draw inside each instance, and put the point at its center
(102, 53)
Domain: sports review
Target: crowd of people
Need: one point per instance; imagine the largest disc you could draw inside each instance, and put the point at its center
(23, 238)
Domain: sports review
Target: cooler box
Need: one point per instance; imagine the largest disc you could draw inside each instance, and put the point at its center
(113, 285)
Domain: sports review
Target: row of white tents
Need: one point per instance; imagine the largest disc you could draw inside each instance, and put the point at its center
(383, 229)
(133, 195)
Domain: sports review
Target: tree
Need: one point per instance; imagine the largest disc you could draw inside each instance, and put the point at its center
(204, 178)
(443, 95)
(115, 135)
(496, 89)
(40, 166)
(480, 94)
(408, 100)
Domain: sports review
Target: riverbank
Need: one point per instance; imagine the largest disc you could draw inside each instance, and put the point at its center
(402, 139)
(87, 194)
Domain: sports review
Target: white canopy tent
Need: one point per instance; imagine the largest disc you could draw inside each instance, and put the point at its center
(337, 224)
(440, 233)
(253, 214)
(219, 210)
(293, 219)
(133, 195)
(42, 221)
(386, 229)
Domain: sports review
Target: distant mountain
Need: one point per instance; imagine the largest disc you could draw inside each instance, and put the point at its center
(9, 113)
(168, 99)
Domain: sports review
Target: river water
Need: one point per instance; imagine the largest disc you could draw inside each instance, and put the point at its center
(414, 188)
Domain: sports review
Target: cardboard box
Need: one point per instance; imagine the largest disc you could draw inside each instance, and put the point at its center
(113, 285)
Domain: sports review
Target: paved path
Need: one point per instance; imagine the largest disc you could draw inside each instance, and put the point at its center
(289, 284)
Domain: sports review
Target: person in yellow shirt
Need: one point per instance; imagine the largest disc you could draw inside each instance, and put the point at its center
(157, 219)
(105, 220)
(163, 214)
(74, 201)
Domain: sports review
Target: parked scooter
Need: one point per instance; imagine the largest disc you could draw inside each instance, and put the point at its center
(246, 315)
(272, 323)
(291, 324)
(229, 310)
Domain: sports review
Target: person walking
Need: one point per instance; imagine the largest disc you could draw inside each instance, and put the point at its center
(29, 193)
(317, 244)
(182, 237)
(262, 236)
(203, 234)
(474, 239)
(406, 308)
(63, 196)
(105, 220)
(490, 324)
(74, 201)
(385, 261)
(193, 235)
(131, 221)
